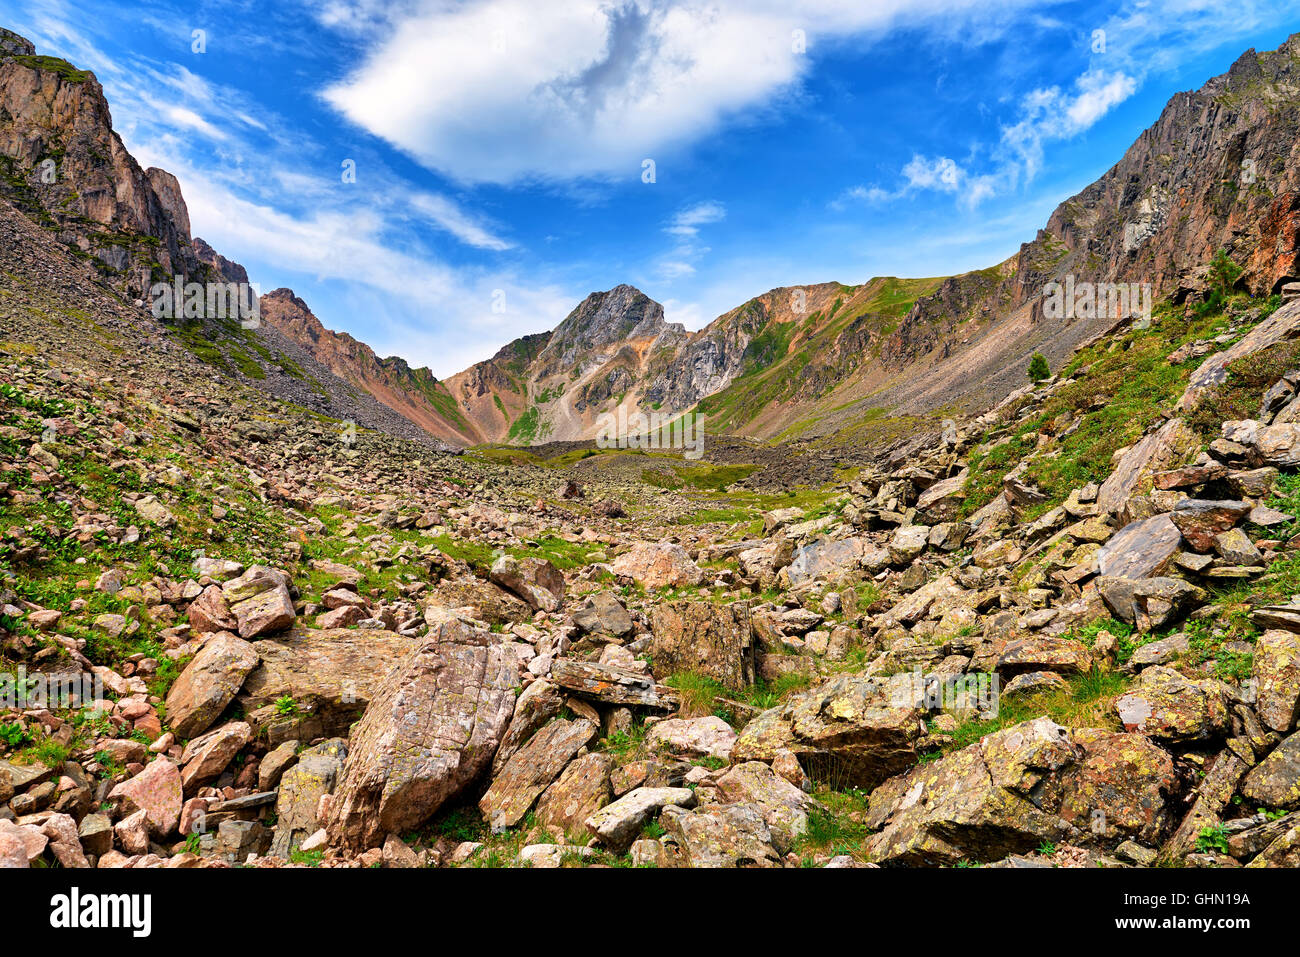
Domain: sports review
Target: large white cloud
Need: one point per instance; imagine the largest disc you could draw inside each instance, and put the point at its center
(505, 90)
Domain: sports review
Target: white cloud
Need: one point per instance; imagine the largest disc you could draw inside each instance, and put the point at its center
(506, 90)
(1050, 114)
(446, 215)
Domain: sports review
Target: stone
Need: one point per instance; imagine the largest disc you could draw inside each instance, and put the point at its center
(706, 737)
(535, 580)
(343, 617)
(1170, 707)
(1121, 788)
(1034, 682)
(132, 833)
(96, 834)
(531, 770)
(617, 823)
(1159, 652)
(1141, 549)
(856, 729)
(824, 558)
(778, 518)
(1214, 370)
(1160, 451)
(397, 854)
(484, 600)
(611, 685)
(429, 732)
(784, 806)
(732, 835)
(157, 791)
(658, 565)
(536, 705)
(907, 543)
(209, 683)
(1201, 520)
(313, 775)
(1061, 655)
(580, 791)
(941, 501)
(1276, 671)
(265, 613)
(210, 612)
(1235, 547)
(205, 757)
(603, 613)
(999, 554)
(1275, 781)
(988, 800)
(1149, 603)
(716, 641)
(330, 675)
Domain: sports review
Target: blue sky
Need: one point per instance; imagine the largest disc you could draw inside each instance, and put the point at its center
(500, 146)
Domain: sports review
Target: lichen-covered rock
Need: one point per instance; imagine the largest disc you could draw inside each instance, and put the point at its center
(617, 823)
(1170, 707)
(535, 580)
(705, 737)
(429, 732)
(1121, 788)
(784, 806)
(1277, 679)
(314, 775)
(532, 769)
(716, 641)
(603, 613)
(996, 797)
(658, 565)
(1141, 549)
(1275, 781)
(157, 791)
(729, 835)
(1062, 655)
(858, 729)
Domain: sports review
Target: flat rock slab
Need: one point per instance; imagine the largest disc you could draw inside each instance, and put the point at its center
(1140, 549)
(532, 769)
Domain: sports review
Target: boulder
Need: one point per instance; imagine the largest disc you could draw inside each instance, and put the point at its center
(907, 543)
(1202, 520)
(730, 835)
(824, 559)
(1123, 787)
(617, 823)
(531, 770)
(1141, 549)
(1061, 655)
(853, 729)
(1275, 781)
(205, 757)
(210, 612)
(209, 683)
(612, 685)
(428, 733)
(535, 580)
(706, 737)
(603, 613)
(658, 565)
(1277, 679)
(1160, 451)
(157, 791)
(1149, 603)
(990, 799)
(484, 600)
(315, 774)
(784, 806)
(708, 639)
(260, 601)
(580, 791)
(1170, 707)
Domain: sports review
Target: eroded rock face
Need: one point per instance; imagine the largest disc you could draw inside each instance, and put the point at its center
(430, 731)
(716, 641)
(856, 729)
(996, 797)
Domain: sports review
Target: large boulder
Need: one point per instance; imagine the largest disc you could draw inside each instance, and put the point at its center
(1121, 788)
(658, 565)
(209, 683)
(728, 835)
(1171, 707)
(853, 729)
(1202, 520)
(706, 737)
(1166, 448)
(1275, 781)
(532, 769)
(1277, 679)
(996, 797)
(1149, 603)
(1140, 549)
(716, 641)
(824, 558)
(331, 675)
(535, 580)
(428, 734)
